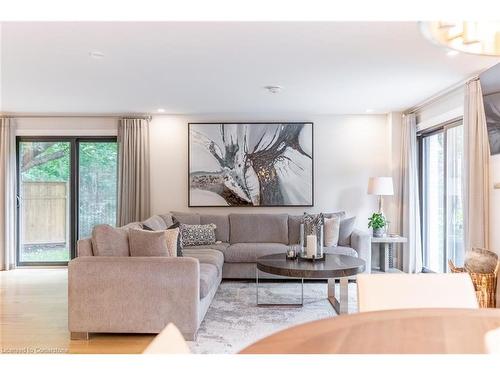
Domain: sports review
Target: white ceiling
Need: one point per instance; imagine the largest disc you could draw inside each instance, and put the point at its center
(193, 68)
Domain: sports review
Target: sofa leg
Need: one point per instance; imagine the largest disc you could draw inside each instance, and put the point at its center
(79, 335)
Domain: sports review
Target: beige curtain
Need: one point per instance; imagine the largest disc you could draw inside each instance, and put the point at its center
(7, 194)
(477, 166)
(133, 170)
(409, 205)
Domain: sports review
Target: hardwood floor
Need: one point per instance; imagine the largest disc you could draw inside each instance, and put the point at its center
(34, 317)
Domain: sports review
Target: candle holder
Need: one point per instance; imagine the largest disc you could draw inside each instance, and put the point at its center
(292, 253)
(311, 241)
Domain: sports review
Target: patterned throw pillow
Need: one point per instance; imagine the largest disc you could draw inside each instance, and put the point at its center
(331, 230)
(196, 235)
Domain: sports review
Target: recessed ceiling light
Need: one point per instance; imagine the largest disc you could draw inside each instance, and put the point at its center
(96, 54)
(273, 89)
(160, 110)
(452, 53)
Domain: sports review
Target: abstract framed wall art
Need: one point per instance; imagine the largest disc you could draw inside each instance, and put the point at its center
(251, 164)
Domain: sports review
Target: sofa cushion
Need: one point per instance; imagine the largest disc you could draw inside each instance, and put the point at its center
(155, 222)
(144, 243)
(345, 230)
(331, 230)
(266, 228)
(208, 278)
(341, 250)
(249, 252)
(209, 256)
(167, 218)
(84, 247)
(133, 225)
(174, 225)
(110, 241)
(222, 223)
(186, 217)
(294, 225)
(294, 229)
(221, 246)
(194, 235)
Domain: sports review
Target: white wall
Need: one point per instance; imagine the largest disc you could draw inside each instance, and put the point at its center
(76, 126)
(347, 150)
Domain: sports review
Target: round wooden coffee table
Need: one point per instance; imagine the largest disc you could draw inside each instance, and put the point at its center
(333, 267)
(415, 331)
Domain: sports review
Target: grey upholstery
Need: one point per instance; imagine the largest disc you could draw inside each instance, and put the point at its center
(208, 256)
(186, 217)
(249, 252)
(208, 278)
(341, 250)
(84, 247)
(221, 246)
(258, 228)
(222, 223)
(362, 243)
(167, 218)
(155, 222)
(345, 230)
(294, 229)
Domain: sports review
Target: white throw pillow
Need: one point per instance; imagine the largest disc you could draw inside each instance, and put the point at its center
(331, 230)
(144, 243)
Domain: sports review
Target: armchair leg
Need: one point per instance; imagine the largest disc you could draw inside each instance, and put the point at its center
(79, 335)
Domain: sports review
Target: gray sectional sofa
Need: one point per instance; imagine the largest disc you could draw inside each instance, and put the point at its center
(143, 294)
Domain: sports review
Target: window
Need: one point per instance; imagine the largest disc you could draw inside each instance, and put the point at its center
(441, 180)
(65, 187)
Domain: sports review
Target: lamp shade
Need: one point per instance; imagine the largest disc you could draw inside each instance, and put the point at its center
(380, 186)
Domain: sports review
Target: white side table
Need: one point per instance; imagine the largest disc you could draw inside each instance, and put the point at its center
(386, 248)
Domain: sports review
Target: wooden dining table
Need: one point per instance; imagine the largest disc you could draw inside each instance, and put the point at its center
(415, 331)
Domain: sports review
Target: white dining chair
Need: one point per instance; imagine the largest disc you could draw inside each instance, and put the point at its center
(409, 291)
(168, 341)
(492, 341)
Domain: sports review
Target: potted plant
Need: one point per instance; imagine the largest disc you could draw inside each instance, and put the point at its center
(377, 222)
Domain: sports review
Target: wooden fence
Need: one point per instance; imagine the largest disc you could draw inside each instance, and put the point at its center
(44, 212)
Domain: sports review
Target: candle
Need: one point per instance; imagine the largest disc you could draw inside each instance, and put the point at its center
(311, 246)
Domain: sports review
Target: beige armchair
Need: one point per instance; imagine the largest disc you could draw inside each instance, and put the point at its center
(407, 291)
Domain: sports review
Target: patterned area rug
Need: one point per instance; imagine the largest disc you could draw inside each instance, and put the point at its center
(233, 320)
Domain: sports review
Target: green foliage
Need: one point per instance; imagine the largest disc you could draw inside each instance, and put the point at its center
(377, 221)
(56, 169)
(97, 176)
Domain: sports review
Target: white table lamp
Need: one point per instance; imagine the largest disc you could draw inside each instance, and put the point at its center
(380, 186)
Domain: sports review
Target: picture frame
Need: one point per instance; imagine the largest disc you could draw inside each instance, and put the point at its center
(250, 164)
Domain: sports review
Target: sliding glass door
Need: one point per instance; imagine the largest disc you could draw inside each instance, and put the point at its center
(441, 155)
(65, 187)
(44, 201)
(97, 185)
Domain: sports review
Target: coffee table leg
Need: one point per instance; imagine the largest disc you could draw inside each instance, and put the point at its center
(339, 304)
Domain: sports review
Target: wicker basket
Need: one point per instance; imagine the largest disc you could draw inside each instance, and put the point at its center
(485, 284)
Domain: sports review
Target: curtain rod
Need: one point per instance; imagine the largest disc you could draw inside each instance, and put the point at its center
(115, 116)
(434, 98)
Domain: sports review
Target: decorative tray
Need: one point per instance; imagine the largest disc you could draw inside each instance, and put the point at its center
(303, 256)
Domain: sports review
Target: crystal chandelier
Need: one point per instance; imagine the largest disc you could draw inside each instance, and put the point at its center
(480, 38)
